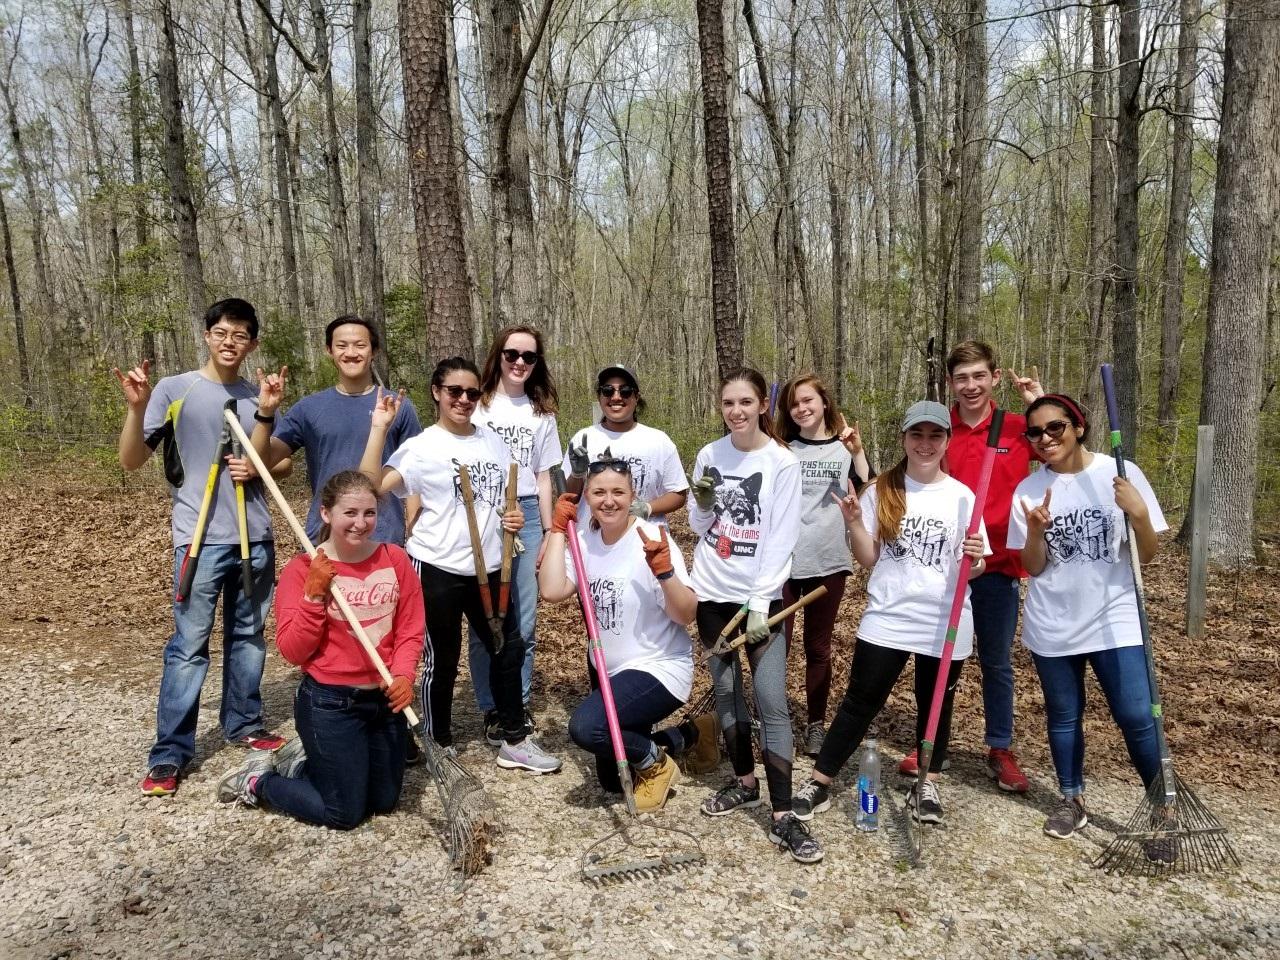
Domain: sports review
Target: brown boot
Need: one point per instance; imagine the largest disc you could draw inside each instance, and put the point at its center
(704, 755)
(653, 783)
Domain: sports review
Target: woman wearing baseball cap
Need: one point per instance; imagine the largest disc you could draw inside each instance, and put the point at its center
(908, 529)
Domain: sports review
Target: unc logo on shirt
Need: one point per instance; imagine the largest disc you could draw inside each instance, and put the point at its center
(921, 540)
(519, 440)
(606, 595)
(488, 482)
(1082, 536)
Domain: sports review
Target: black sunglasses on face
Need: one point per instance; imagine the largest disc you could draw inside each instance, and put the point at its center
(1054, 428)
(528, 356)
(600, 466)
(455, 392)
(625, 391)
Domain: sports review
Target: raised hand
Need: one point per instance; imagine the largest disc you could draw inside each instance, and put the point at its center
(135, 385)
(566, 509)
(385, 409)
(1029, 386)
(579, 460)
(399, 693)
(271, 391)
(704, 492)
(657, 553)
(1038, 518)
(850, 506)
(1130, 500)
(851, 437)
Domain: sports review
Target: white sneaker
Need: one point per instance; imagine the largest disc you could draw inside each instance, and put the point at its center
(527, 755)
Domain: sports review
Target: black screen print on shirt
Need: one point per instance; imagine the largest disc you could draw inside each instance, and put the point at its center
(519, 440)
(1082, 535)
(924, 541)
(488, 483)
(606, 594)
(736, 530)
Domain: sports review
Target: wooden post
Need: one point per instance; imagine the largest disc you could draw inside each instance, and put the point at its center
(1198, 580)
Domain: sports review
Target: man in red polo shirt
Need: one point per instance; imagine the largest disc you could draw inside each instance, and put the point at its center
(972, 375)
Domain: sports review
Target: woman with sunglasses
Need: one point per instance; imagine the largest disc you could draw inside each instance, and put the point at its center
(426, 466)
(744, 506)
(518, 402)
(1081, 609)
(656, 471)
(643, 602)
(832, 460)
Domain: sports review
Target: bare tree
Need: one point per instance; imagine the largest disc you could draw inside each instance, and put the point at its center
(371, 287)
(972, 145)
(340, 241)
(15, 297)
(1124, 332)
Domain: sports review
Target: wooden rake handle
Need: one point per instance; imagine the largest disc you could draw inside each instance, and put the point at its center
(508, 543)
(477, 548)
(269, 482)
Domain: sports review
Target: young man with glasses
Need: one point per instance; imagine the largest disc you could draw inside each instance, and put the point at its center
(184, 414)
(972, 375)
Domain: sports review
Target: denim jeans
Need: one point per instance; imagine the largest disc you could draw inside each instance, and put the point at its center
(186, 655)
(1122, 674)
(994, 597)
(524, 607)
(355, 757)
(641, 701)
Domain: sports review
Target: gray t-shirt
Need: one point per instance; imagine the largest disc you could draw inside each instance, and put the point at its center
(825, 467)
(332, 428)
(187, 410)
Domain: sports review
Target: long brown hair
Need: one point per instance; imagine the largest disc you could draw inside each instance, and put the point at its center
(757, 381)
(539, 388)
(891, 501)
(786, 400)
(338, 486)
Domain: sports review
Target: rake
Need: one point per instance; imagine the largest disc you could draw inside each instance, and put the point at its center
(601, 861)
(1171, 831)
(724, 645)
(468, 812)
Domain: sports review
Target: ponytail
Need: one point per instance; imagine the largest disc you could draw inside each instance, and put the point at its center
(891, 500)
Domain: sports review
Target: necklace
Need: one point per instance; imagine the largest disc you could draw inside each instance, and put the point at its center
(347, 393)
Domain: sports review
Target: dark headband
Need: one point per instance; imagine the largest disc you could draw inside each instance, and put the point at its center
(1067, 403)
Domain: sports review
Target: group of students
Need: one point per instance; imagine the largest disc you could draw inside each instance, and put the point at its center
(778, 509)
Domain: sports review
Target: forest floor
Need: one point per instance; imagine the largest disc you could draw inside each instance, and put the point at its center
(89, 868)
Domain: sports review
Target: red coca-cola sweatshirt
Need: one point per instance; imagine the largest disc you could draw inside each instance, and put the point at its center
(386, 596)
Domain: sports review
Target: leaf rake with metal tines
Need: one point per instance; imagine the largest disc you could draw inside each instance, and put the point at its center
(468, 811)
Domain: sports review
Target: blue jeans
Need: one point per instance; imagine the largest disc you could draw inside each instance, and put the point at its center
(355, 757)
(524, 607)
(1122, 674)
(641, 701)
(186, 655)
(994, 597)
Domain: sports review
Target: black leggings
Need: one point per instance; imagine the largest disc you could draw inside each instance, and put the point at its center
(448, 596)
(872, 674)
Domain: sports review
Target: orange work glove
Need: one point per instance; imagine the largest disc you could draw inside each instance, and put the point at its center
(566, 509)
(399, 693)
(319, 575)
(657, 553)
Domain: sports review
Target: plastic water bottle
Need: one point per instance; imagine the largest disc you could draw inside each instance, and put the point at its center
(868, 818)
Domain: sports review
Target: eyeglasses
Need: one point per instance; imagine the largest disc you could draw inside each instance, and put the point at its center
(528, 356)
(456, 392)
(238, 337)
(625, 391)
(600, 466)
(1054, 428)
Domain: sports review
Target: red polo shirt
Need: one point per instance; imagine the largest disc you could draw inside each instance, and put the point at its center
(1011, 467)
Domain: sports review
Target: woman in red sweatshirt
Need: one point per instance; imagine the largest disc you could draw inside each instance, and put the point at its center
(349, 725)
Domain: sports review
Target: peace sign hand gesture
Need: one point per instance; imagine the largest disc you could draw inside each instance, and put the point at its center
(851, 437)
(1038, 518)
(1029, 387)
(135, 385)
(271, 391)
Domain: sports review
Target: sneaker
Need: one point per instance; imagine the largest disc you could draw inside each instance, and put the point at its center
(527, 755)
(1067, 817)
(492, 729)
(1002, 767)
(813, 797)
(927, 808)
(259, 740)
(1162, 850)
(704, 755)
(288, 760)
(160, 781)
(412, 752)
(530, 725)
(793, 836)
(814, 735)
(732, 797)
(910, 765)
(237, 786)
(654, 782)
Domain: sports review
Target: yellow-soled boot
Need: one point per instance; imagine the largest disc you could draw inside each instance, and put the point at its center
(654, 782)
(704, 755)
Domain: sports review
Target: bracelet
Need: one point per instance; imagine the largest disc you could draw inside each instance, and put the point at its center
(257, 415)
(666, 576)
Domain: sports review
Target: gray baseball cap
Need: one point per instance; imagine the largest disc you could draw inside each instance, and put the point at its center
(926, 411)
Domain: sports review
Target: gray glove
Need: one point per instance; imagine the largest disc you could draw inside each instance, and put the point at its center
(640, 509)
(757, 627)
(579, 460)
(704, 492)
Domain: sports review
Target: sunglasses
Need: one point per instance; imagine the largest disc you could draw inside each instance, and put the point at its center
(600, 466)
(528, 356)
(1054, 428)
(456, 392)
(625, 391)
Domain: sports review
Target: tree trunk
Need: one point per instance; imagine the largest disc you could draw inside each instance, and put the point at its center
(370, 295)
(281, 149)
(1098, 282)
(34, 195)
(137, 174)
(920, 139)
(1175, 239)
(437, 207)
(174, 158)
(340, 241)
(15, 296)
(1244, 220)
(715, 125)
(973, 153)
(1124, 332)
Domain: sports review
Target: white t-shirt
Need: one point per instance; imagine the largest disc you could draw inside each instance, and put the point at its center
(910, 589)
(428, 466)
(655, 462)
(1084, 599)
(531, 437)
(746, 539)
(635, 630)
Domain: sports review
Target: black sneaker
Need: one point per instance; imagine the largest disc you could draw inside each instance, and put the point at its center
(492, 729)
(1162, 850)
(530, 725)
(1067, 817)
(412, 752)
(732, 797)
(814, 735)
(793, 836)
(926, 808)
(812, 798)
